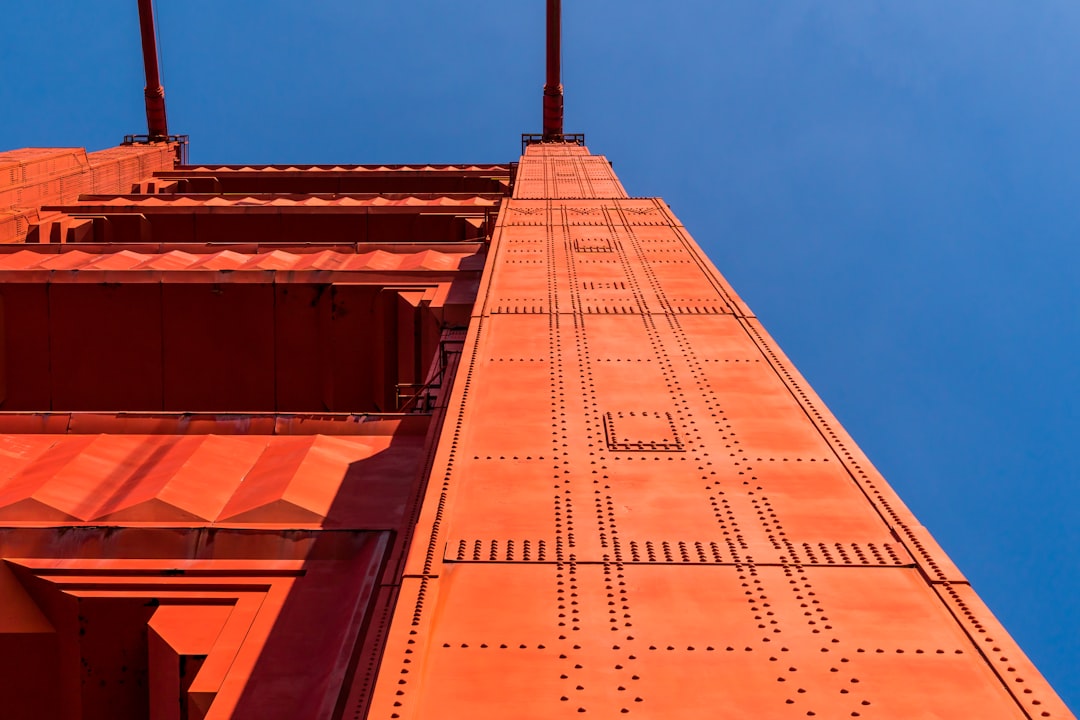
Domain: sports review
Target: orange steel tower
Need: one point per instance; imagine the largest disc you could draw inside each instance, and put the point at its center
(471, 441)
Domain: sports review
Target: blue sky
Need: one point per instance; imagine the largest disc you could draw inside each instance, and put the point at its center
(893, 187)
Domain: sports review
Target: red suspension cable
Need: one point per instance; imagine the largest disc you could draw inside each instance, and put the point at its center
(156, 124)
(553, 89)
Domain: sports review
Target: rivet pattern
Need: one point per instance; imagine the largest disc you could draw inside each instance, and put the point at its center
(643, 510)
(642, 430)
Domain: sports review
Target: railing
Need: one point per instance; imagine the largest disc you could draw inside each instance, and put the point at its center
(416, 397)
(513, 176)
(420, 397)
(528, 139)
(180, 140)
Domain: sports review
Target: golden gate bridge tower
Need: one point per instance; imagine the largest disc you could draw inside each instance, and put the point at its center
(439, 441)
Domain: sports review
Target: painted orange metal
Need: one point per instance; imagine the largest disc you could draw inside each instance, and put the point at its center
(169, 216)
(638, 507)
(226, 331)
(35, 177)
(106, 475)
(165, 563)
(383, 442)
(382, 179)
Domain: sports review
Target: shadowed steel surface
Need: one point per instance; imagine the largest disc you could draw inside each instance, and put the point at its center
(216, 414)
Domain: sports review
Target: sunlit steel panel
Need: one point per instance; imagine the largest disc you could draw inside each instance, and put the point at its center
(639, 507)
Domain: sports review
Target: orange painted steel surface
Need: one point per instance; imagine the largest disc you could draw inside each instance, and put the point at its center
(184, 260)
(34, 177)
(638, 507)
(226, 336)
(383, 442)
(213, 441)
(339, 178)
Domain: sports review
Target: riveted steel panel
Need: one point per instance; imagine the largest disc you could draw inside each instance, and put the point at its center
(660, 518)
(629, 503)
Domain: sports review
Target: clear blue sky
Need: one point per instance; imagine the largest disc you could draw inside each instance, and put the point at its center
(894, 187)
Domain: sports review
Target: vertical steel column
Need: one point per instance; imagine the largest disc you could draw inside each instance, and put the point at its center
(156, 125)
(553, 89)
